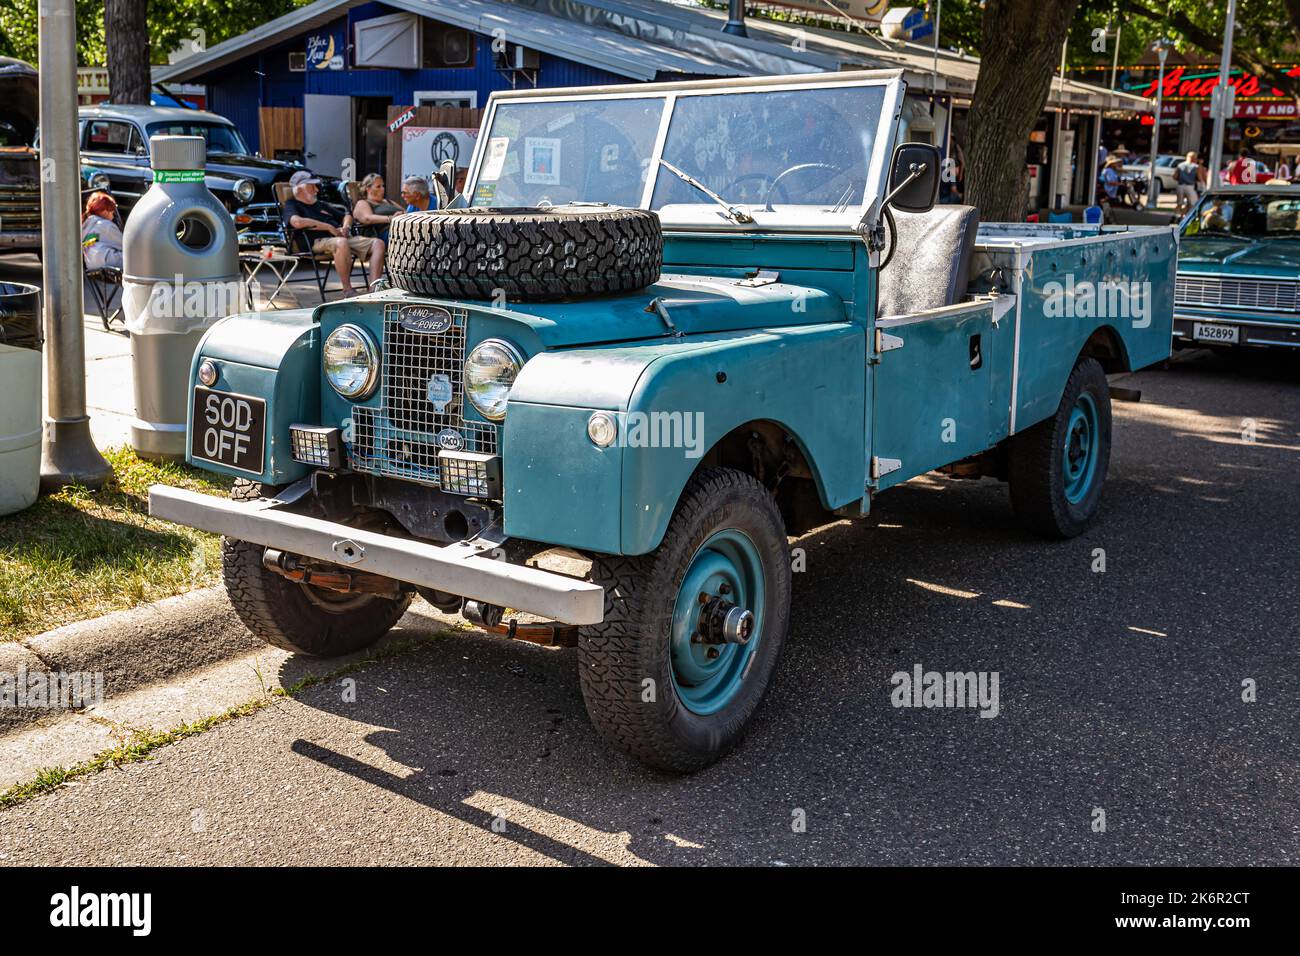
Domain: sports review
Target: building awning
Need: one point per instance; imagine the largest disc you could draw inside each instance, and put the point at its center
(655, 39)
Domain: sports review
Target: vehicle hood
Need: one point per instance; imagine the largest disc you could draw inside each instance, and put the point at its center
(19, 96)
(694, 304)
(1224, 255)
(259, 168)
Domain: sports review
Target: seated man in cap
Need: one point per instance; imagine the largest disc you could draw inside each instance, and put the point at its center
(327, 231)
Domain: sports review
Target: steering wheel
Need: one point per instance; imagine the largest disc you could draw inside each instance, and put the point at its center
(733, 193)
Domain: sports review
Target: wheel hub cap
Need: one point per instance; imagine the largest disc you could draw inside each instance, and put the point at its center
(1080, 452)
(717, 622)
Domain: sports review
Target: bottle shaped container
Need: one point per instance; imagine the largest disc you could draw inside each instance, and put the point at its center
(180, 274)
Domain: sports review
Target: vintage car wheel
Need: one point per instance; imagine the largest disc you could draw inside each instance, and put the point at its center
(666, 677)
(298, 617)
(1057, 467)
(527, 255)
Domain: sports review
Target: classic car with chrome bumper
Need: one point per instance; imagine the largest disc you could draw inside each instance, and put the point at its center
(1238, 280)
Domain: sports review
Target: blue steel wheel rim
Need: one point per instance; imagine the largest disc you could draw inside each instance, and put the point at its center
(1079, 456)
(706, 686)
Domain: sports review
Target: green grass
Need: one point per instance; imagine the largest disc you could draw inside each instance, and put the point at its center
(81, 553)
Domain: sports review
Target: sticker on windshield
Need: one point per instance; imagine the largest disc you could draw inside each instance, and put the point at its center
(542, 160)
(496, 158)
(485, 194)
(560, 122)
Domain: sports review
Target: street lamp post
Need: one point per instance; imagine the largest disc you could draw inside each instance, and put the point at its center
(1221, 100)
(68, 453)
(1162, 51)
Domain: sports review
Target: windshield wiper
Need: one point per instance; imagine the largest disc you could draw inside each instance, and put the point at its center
(734, 213)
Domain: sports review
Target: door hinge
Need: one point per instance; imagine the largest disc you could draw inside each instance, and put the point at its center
(886, 343)
(883, 466)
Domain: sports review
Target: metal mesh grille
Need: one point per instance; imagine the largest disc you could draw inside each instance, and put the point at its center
(402, 437)
(1280, 294)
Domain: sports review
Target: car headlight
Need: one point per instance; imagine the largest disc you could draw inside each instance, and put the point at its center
(490, 371)
(244, 190)
(351, 361)
(99, 182)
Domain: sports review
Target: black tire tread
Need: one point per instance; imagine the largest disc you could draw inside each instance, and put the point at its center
(530, 255)
(277, 611)
(639, 597)
(1036, 498)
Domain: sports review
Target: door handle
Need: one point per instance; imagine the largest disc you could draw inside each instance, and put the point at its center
(976, 353)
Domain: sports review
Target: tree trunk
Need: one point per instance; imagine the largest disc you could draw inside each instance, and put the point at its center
(1020, 53)
(126, 39)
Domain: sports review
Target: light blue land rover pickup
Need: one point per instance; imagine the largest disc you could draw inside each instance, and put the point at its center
(668, 327)
(1239, 269)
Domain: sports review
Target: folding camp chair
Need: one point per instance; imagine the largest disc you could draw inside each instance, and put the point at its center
(299, 244)
(106, 289)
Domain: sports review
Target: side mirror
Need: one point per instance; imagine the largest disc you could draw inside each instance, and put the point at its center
(914, 177)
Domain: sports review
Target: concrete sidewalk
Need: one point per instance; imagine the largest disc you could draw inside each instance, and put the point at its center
(110, 400)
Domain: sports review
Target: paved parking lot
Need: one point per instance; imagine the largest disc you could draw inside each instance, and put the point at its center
(1120, 692)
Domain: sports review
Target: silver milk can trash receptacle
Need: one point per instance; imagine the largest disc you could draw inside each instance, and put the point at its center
(180, 274)
(20, 396)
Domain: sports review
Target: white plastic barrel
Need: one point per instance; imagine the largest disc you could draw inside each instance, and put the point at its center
(20, 396)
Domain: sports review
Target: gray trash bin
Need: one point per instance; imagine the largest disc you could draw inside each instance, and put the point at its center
(180, 274)
(20, 396)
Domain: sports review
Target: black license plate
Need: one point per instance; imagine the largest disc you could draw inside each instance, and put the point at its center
(228, 430)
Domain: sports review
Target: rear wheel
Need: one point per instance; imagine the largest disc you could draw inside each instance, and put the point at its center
(1057, 468)
(693, 630)
(299, 617)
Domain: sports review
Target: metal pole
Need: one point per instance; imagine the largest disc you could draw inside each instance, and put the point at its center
(1114, 63)
(938, 15)
(1096, 160)
(1220, 120)
(68, 454)
(1162, 51)
(1058, 137)
(735, 24)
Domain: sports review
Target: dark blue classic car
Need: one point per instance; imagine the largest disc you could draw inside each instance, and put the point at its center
(1239, 269)
(115, 148)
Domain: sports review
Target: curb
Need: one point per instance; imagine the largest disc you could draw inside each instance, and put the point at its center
(131, 648)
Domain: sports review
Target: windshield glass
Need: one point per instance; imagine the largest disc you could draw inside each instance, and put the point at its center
(806, 154)
(221, 138)
(770, 150)
(585, 151)
(1245, 216)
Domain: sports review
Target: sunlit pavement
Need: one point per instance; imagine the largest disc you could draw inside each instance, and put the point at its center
(1120, 691)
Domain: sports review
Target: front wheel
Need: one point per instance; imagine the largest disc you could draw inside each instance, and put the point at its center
(1057, 467)
(298, 617)
(693, 630)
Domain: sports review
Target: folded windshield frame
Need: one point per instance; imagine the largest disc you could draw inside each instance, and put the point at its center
(697, 212)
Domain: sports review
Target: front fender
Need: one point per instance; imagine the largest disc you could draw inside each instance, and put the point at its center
(274, 357)
(674, 400)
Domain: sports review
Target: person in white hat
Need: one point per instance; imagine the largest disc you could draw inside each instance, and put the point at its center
(328, 232)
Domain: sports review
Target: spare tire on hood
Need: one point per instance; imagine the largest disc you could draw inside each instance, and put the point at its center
(529, 255)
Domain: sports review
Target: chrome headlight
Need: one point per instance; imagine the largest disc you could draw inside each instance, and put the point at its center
(351, 361)
(99, 182)
(490, 370)
(244, 190)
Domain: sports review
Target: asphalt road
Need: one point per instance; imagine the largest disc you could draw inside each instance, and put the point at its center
(1119, 690)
